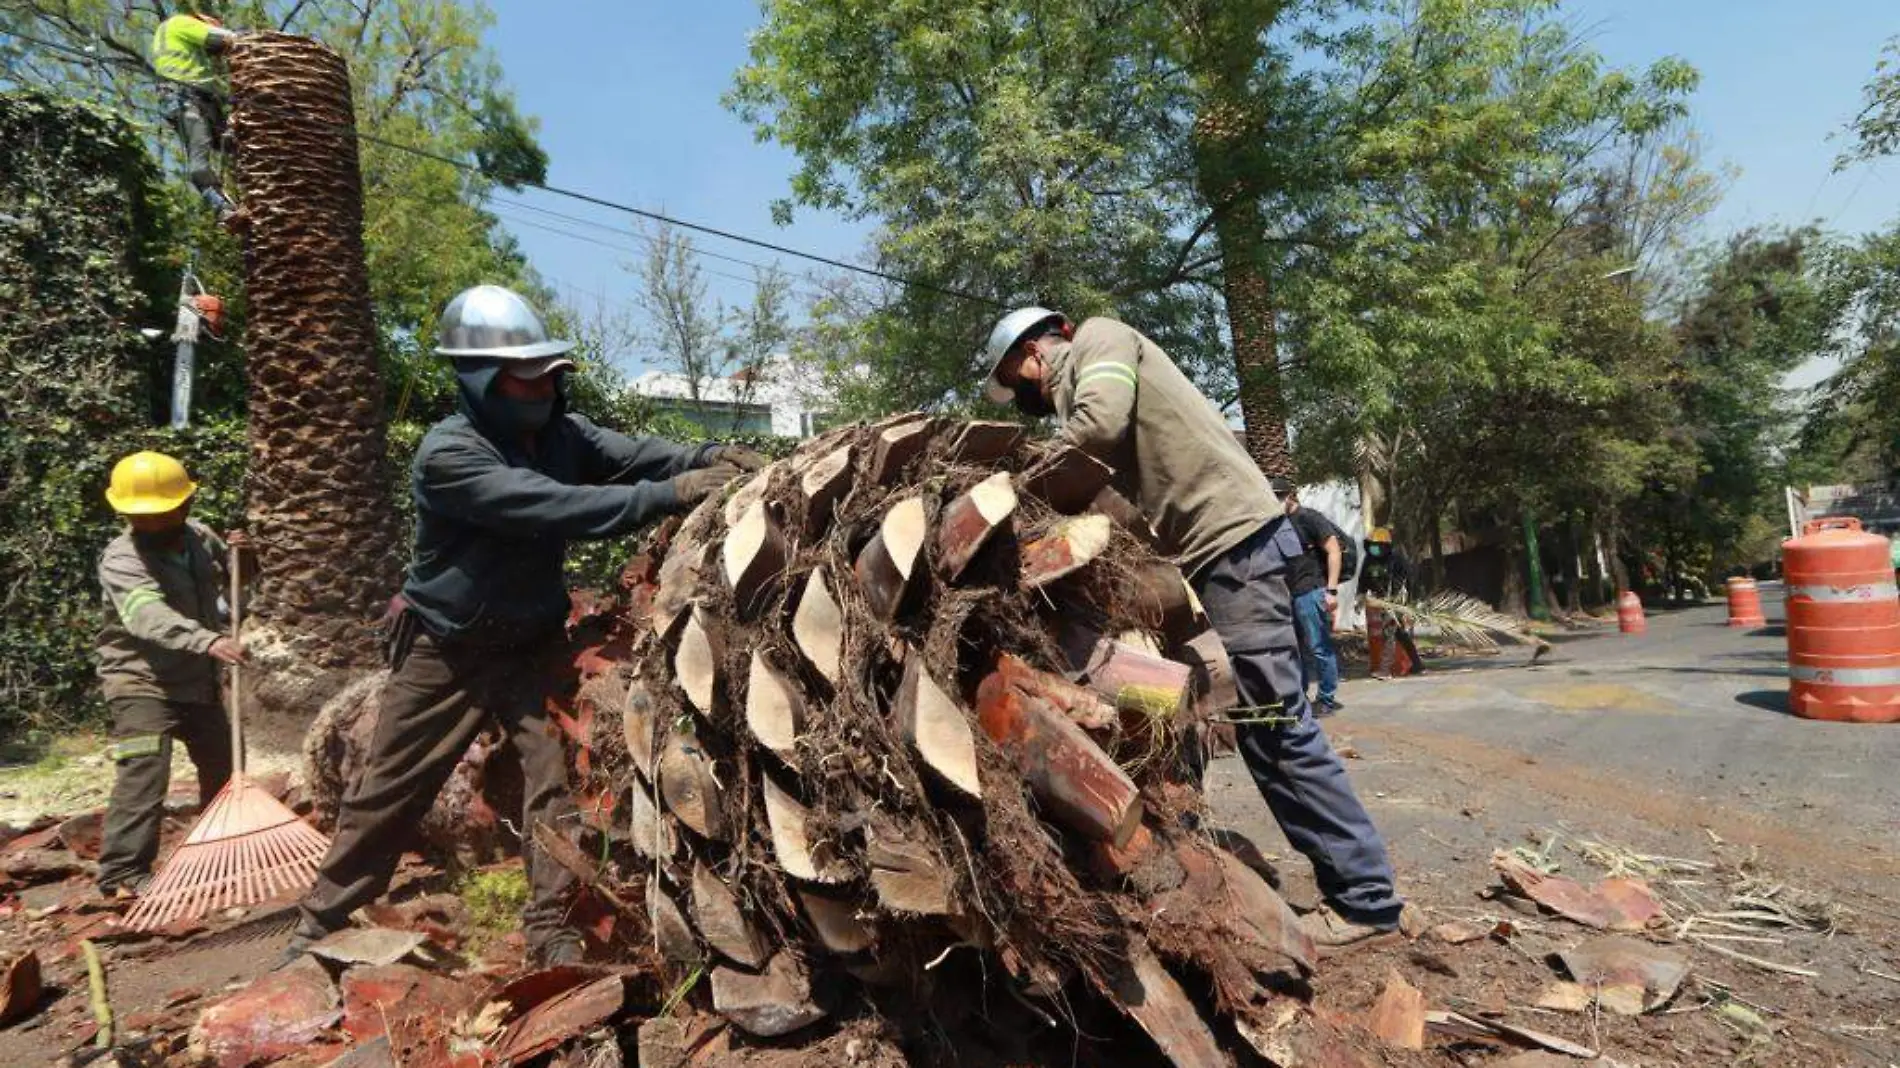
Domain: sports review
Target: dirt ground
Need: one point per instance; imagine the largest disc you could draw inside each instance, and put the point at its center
(1668, 758)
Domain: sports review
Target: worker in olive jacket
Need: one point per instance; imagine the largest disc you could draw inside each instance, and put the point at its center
(1116, 395)
(164, 582)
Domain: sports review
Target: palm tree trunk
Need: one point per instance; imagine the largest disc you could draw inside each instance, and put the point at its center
(319, 494)
(1247, 286)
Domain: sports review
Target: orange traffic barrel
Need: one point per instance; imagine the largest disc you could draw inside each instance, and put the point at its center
(1377, 620)
(1744, 604)
(1629, 613)
(1843, 623)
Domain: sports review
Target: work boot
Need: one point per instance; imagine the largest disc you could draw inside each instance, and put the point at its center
(1334, 934)
(562, 947)
(307, 934)
(1326, 706)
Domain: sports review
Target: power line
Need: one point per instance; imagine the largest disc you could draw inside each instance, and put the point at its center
(629, 250)
(493, 198)
(586, 198)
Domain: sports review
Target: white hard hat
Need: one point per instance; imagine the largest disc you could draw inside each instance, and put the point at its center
(497, 323)
(1009, 330)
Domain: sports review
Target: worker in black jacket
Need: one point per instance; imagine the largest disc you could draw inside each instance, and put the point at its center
(1386, 575)
(500, 489)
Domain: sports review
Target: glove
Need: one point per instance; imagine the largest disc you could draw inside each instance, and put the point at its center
(692, 487)
(738, 456)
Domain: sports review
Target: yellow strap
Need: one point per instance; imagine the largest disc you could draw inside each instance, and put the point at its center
(138, 745)
(1119, 372)
(138, 599)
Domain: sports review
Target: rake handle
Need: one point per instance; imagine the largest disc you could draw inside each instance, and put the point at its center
(237, 731)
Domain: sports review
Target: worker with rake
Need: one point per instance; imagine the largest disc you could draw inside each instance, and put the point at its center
(1117, 396)
(500, 488)
(158, 658)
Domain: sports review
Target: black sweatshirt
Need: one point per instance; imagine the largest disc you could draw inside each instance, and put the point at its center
(493, 521)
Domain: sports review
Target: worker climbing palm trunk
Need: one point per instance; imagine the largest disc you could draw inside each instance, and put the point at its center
(183, 52)
(499, 490)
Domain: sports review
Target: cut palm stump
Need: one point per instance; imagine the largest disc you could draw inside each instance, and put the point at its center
(893, 712)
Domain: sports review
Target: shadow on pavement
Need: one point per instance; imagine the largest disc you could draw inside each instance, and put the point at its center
(1766, 700)
(1764, 673)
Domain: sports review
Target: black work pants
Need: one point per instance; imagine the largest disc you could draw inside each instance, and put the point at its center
(438, 698)
(142, 733)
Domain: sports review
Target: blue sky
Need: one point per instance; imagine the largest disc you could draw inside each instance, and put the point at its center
(628, 95)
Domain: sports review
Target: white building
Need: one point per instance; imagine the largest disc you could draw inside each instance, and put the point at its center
(782, 398)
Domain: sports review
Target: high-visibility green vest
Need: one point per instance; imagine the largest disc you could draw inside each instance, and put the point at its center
(178, 50)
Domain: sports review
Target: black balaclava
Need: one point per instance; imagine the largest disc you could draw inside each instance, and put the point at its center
(503, 416)
(1030, 399)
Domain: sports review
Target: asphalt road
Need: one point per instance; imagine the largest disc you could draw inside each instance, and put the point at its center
(1668, 740)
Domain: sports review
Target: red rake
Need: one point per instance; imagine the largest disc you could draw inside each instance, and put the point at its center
(246, 846)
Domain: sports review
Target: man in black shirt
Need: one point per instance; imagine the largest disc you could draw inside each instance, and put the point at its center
(1313, 580)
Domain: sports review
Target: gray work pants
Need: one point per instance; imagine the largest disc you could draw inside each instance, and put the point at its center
(198, 117)
(142, 733)
(1303, 781)
(438, 698)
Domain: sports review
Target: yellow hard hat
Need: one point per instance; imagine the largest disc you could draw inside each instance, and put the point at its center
(1380, 534)
(148, 483)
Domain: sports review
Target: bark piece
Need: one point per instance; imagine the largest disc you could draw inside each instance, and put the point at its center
(1111, 503)
(20, 987)
(690, 789)
(888, 563)
(754, 554)
(1613, 904)
(696, 662)
(1164, 603)
(1068, 480)
(1398, 1017)
(1158, 1004)
(721, 920)
(774, 709)
(836, 921)
(1137, 681)
(968, 523)
(907, 874)
(751, 491)
(936, 726)
(1070, 776)
(637, 721)
(1216, 692)
(649, 832)
(1263, 916)
(679, 580)
(563, 1017)
(818, 627)
(984, 442)
(790, 826)
(1068, 547)
(896, 446)
(1627, 976)
(823, 484)
(774, 1002)
(280, 1014)
(672, 935)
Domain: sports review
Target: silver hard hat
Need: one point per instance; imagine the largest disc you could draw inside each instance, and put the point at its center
(1009, 330)
(496, 323)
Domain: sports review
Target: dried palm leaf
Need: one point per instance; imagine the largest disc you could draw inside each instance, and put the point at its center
(1459, 620)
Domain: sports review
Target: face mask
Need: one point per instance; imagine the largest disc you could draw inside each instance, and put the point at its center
(1029, 399)
(528, 416)
(168, 540)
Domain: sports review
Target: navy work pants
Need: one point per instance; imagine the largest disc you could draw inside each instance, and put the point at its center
(1245, 594)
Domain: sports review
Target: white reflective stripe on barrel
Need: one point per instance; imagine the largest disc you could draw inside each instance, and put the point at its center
(1872, 591)
(1889, 676)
